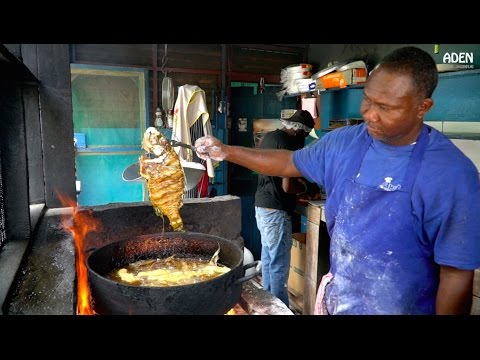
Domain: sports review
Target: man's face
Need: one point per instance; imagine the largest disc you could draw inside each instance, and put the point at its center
(392, 110)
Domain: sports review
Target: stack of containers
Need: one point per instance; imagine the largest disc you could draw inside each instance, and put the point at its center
(296, 78)
(341, 75)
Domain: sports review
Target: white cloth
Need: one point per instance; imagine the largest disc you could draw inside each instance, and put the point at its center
(189, 107)
(320, 307)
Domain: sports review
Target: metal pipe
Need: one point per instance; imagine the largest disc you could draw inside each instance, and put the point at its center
(155, 78)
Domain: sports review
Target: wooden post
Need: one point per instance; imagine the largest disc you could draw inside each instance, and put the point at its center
(315, 214)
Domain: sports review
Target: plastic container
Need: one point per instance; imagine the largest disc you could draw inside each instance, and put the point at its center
(247, 259)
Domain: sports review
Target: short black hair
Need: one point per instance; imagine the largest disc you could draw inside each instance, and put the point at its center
(418, 64)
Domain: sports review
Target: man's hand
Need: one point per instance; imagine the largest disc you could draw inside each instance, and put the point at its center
(210, 147)
(270, 162)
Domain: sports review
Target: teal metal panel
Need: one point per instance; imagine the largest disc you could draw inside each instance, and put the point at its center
(166, 132)
(272, 107)
(111, 136)
(269, 106)
(303, 224)
(289, 103)
(103, 176)
(457, 97)
(340, 104)
(245, 106)
(109, 150)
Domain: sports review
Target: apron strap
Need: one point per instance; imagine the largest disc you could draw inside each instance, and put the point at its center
(357, 162)
(415, 160)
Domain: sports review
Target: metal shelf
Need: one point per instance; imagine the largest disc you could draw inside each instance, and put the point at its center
(321, 91)
(355, 86)
(313, 92)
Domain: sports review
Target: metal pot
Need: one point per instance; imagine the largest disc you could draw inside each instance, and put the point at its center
(212, 297)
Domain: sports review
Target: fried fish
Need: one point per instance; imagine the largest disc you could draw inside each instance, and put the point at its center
(164, 175)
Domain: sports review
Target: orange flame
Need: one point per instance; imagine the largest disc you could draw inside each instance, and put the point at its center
(236, 310)
(79, 226)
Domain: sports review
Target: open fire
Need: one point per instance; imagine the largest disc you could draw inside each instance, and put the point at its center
(254, 300)
(79, 226)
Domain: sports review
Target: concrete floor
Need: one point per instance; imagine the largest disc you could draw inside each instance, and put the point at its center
(45, 284)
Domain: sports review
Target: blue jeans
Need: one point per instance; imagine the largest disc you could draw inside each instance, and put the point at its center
(275, 228)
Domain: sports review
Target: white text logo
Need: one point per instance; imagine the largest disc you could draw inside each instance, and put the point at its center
(460, 60)
(388, 186)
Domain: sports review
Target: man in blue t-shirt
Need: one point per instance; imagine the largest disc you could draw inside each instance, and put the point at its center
(402, 201)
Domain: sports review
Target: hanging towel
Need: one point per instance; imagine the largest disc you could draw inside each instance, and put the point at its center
(189, 107)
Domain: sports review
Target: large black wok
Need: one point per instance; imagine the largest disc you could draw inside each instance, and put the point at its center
(211, 297)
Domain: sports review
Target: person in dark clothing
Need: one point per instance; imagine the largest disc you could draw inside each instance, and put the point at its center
(402, 200)
(274, 205)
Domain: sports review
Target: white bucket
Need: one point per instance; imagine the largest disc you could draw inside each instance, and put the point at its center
(248, 259)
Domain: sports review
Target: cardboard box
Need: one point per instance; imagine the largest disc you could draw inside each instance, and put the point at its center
(341, 79)
(296, 278)
(476, 283)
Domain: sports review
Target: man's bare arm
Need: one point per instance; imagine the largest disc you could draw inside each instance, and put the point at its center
(276, 162)
(454, 295)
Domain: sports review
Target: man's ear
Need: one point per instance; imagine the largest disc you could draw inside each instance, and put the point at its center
(424, 107)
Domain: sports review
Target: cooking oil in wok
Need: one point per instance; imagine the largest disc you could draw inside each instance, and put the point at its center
(171, 271)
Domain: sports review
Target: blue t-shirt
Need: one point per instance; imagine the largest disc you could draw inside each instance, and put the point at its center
(445, 196)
